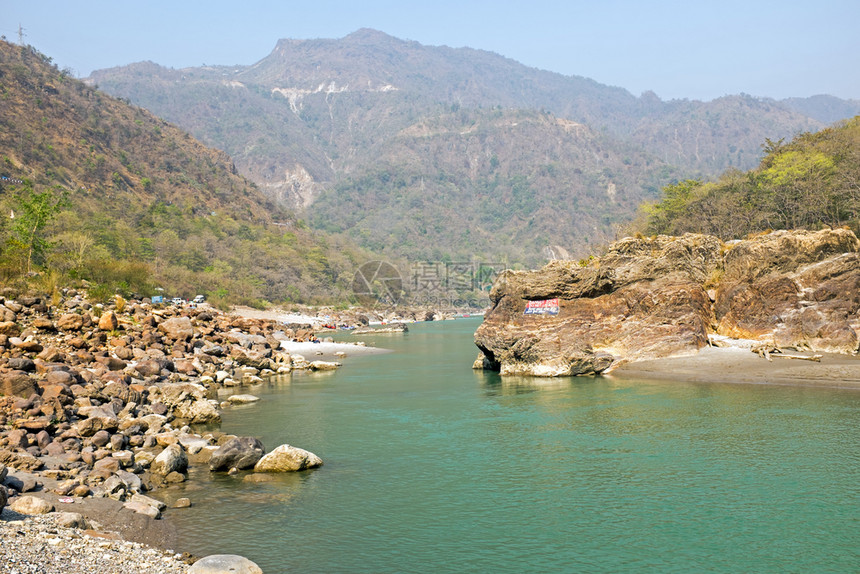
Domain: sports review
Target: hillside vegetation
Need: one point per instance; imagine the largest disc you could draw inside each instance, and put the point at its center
(811, 182)
(417, 150)
(489, 184)
(95, 189)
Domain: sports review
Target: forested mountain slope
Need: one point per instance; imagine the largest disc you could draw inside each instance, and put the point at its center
(136, 203)
(811, 182)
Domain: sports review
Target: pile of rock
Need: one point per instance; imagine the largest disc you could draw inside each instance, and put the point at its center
(100, 401)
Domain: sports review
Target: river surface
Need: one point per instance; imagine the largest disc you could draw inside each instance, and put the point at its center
(431, 467)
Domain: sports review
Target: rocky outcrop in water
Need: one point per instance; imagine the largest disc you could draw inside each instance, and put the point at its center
(659, 297)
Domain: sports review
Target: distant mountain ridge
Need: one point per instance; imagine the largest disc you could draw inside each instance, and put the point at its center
(824, 108)
(316, 118)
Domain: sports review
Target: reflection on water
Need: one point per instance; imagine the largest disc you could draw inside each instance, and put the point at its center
(496, 384)
(431, 467)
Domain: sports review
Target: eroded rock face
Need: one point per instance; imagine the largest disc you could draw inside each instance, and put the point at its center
(648, 298)
(644, 299)
(797, 289)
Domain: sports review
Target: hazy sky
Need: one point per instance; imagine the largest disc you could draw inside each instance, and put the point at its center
(679, 49)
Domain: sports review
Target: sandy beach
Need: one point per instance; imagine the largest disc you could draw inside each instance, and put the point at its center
(276, 315)
(727, 365)
(328, 350)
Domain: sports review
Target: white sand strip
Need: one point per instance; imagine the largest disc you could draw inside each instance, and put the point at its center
(308, 350)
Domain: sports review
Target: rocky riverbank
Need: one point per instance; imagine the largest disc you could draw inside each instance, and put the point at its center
(102, 406)
(649, 299)
(330, 318)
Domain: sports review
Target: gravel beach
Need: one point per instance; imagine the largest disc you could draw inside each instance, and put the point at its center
(36, 544)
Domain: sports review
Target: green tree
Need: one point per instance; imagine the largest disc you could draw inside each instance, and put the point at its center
(664, 216)
(34, 212)
(798, 182)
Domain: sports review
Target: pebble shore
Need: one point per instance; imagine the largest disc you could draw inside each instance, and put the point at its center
(37, 545)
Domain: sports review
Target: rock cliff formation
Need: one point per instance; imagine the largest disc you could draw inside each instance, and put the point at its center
(649, 298)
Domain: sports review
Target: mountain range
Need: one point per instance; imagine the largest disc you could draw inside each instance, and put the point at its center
(434, 152)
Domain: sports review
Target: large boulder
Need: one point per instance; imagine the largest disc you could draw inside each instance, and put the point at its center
(98, 419)
(240, 453)
(112, 363)
(122, 391)
(4, 496)
(17, 384)
(58, 377)
(171, 459)
(177, 328)
(70, 520)
(286, 458)
(23, 461)
(323, 365)
(244, 339)
(21, 364)
(108, 321)
(31, 505)
(251, 358)
(188, 401)
(224, 564)
(43, 324)
(70, 322)
(28, 345)
(149, 367)
(142, 508)
(9, 328)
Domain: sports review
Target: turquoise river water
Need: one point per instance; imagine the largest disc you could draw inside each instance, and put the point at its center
(431, 467)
